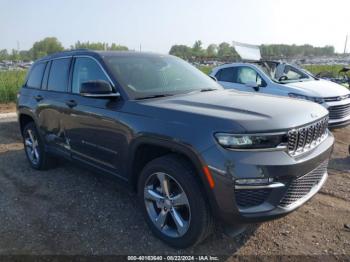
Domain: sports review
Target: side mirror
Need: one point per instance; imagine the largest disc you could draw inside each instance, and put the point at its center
(97, 88)
(253, 85)
(214, 78)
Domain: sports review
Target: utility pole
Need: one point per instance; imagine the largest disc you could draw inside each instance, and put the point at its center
(346, 42)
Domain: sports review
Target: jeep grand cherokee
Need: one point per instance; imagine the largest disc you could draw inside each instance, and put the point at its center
(193, 152)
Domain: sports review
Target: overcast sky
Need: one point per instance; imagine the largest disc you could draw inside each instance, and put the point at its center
(158, 24)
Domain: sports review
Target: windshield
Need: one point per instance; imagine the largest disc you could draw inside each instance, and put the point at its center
(284, 73)
(144, 76)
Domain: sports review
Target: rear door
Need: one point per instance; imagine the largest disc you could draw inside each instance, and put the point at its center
(95, 134)
(53, 104)
(31, 94)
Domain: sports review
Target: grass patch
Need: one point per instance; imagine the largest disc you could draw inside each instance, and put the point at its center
(332, 69)
(10, 83)
(205, 69)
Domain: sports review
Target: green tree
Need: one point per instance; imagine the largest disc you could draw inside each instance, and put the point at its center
(225, 51)
(115, 47)
(47, 46)
(4, 55)
(182, 51)
(15, 55)
(99, 46)
(212, 50)
(197, 49)
(25, 55)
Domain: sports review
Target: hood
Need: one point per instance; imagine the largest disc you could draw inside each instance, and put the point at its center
(247, 52)
(320, 88)
(217, 109)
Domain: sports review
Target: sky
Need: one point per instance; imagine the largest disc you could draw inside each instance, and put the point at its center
(158, 24)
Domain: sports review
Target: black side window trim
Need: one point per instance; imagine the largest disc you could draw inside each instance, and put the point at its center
(26, 81)
(46, 74)
(69, 70)
(70, 87)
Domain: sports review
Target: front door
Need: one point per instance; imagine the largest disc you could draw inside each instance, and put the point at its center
(94, 132)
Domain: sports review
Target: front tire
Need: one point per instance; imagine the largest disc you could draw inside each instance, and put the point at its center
(173, 203)
(35, 149)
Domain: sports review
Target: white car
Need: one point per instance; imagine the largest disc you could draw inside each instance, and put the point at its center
(283, 79)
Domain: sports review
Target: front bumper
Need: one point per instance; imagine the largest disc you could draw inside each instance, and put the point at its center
(258, 204)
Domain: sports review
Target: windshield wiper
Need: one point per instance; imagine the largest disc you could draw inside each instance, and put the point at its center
(152, 96)
(208, 89)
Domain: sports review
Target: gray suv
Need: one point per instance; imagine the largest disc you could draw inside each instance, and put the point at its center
(194, 152)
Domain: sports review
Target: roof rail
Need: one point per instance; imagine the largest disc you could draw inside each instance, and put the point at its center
(77, 49)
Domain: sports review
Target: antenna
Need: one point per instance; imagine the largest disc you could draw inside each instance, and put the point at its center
(346, 42)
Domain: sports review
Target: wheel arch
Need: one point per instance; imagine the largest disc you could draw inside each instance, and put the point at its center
(161, 147)
(24, 118)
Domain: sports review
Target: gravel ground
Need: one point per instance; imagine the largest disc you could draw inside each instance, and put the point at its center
(70, 210)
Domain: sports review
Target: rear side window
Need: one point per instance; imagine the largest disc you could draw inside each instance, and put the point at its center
(86, 69)
(228, 74)
(59, 72)
(36, 75)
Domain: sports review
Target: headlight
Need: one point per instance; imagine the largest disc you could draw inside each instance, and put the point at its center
(255, 141)
(319, 100)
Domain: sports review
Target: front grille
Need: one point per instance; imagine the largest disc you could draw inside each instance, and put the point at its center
(251, 197)
(336, 98)
(338, 112)
(303, 139)
(301, 186)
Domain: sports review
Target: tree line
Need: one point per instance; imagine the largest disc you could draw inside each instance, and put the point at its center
(226, 52)
(50, 45)
(222, 52)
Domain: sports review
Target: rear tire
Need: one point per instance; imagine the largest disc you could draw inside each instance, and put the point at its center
(34, 148)
(179, 222)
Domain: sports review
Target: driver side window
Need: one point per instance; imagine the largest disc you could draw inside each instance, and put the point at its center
(86, 69)
(248, 75)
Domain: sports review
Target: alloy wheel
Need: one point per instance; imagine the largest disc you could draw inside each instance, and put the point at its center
(31, 144)
(167, 205)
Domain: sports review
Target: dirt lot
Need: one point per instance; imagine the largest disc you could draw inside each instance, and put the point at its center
(7, 108)
(69, 210)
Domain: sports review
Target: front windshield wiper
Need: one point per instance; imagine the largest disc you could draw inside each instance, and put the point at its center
(152, 96)
(208, 89)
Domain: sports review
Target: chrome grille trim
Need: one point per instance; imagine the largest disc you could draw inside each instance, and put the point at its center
(336, 98)
(340, 111)
(302, 140)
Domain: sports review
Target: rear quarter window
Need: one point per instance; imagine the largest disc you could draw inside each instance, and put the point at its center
(58, 77)
(36, 75)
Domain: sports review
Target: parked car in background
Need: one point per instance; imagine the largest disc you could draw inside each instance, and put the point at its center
(194, 152)
(282, 79)
(342, 77)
